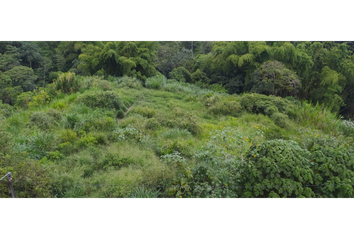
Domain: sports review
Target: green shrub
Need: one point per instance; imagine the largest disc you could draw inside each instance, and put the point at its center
(23, 99)
(41, 120)
(180, 74)
(334, 171)
(104, 85)
(152, 124)
(232, 108)
(87, 140)
(56, 115)
(155, 82)
(6, 110)
(277, 168)
(54, 75)
(120, 114)
(280, 119)
(275, 133)
(267, 105)
(129, 82)
(68, 135)
(39, 98)
(72, 120)
(190, 122)
(100, 137)
(108, 99)
(103, 124)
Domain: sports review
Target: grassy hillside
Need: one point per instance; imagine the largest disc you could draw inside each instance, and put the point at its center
(162, 138)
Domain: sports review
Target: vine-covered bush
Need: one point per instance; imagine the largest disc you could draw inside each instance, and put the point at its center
(277, 168)
(334, 171)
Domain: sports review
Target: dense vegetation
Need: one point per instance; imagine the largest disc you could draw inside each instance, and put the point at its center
(177, 119)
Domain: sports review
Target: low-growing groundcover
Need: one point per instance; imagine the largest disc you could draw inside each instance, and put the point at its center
(117, 138)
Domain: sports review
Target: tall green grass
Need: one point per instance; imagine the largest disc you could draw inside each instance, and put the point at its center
(318, 116)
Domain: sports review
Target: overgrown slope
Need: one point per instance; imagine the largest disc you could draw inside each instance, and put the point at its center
(88, 137)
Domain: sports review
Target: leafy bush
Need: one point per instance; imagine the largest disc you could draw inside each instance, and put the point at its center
(23, 99)
(155, 82)
(39, 98)
(68, 136)
(275, 133)
(108, 99)
(216, 172)
(6, 110)
(334, 171)
(180, 74)
(152, 124)
(87, 140)
(56, 115)
(104, 85)
(267, 105)
(280, 119)
(277, 168)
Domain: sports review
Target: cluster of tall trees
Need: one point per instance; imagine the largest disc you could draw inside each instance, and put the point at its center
(315, 71)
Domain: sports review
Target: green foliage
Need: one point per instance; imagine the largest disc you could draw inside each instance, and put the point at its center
(281, 119)
(155, 82)
(23, 99)
(120, 113)
(273, 77)
(6, 110)
(133, 59)
(22, 76)
(108, 99)
(277, 168)
(68, 136)
(54, 76)
(39, 145)
(41, 120)
(267, 105)
(333, 169)
(104, 85)
(87, 140)
(232, 108)
(68, 83)
(318, 116)
(180, 74)
(39, 98)
(152, 124)
(129, 82)
(199, 76)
